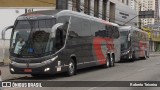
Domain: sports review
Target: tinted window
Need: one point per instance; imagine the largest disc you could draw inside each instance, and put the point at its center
(94, 28)
(80, 27)
(116, 32)
(86, 28)
(101, 32)
(112, 31)
(35, 24)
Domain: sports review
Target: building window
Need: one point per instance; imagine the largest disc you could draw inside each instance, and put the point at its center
(104, 9)
(96, 8)
(76, 5)
(122, 1)
(112, 12)
(87, 5)
(127, 2)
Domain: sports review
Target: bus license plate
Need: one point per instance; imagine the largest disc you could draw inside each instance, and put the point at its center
(27, 70)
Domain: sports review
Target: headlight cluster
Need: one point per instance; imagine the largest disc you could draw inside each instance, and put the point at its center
(50, 60)
(126, 52)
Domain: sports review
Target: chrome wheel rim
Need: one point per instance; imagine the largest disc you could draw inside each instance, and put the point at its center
(71, 67)
(107, 63)
(111, 61)
(131, 56)
(145, 56)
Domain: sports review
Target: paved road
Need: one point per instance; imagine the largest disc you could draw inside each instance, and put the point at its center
(140, 70)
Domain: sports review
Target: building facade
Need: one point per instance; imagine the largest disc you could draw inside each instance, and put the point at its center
(149, 17)
(147, 12)
(157, 9)
(134, 4)
(117, 11)
(154, 38)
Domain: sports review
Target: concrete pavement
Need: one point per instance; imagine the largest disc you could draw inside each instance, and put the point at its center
(6, 73)
(140, 70)
(153, 54)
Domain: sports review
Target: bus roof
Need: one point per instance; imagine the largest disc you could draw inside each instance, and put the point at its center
(129, 28)
(42, 12)
(57, 13)
(85, 16)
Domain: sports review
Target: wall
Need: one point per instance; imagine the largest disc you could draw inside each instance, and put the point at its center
(122, 12)
(27, 3)
(125, 13)
(8, 17)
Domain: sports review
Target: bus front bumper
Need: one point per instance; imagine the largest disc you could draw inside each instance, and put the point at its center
(36, 68)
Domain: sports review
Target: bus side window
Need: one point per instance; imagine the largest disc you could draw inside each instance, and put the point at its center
(108, 31)
(61, 35)
(59, 39)
(115, 32)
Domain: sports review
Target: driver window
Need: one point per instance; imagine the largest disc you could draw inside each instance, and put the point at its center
(19, 45)
(61, 35)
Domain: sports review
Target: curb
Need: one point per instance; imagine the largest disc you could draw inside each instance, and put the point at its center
(153, 55)
(1, 64)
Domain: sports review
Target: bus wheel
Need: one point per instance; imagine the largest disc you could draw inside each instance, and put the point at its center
(111, 61)
(132, 57)
(145, 55)
(71, 68)
(106, 65)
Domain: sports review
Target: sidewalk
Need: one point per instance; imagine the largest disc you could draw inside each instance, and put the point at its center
(7, 75)
(154, 54)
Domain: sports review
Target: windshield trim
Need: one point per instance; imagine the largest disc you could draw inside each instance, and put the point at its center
(14, 30)
(56, 51)
(69, 24)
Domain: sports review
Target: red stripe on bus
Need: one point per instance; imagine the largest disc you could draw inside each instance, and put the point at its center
(97, 43)
(106, 22)
(142, 46)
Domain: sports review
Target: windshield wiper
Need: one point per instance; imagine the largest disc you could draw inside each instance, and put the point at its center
(28, 45)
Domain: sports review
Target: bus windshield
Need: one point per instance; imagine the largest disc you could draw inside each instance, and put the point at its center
(33, 38)
(124, 40)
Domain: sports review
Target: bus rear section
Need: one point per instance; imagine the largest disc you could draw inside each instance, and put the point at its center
(134, 43)
(49, 42)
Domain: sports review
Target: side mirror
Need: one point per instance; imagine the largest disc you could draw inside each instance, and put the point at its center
(129, 37)
(4, 31)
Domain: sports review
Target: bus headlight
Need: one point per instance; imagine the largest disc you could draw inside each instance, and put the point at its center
(46, 69)
(125, 53)
(50, 60)
(12, 69)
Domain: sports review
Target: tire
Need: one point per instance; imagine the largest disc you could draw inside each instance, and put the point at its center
(106, 65)
(111, 61)
(132, 59)
(71, 68)
(145, 55)
(130, 56)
